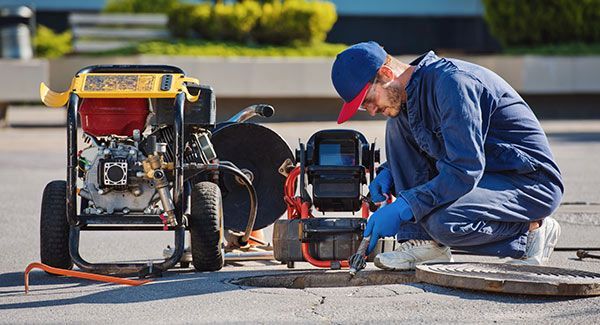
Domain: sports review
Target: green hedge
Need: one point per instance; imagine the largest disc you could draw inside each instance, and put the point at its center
(295, 20)
(268, 22)
(228, 49)
(49, 44)
(234, 22)
(181, 21)
(538, 22)
(140, 6)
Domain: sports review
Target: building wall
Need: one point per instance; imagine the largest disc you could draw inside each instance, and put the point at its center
(417, 34)
(406, 8)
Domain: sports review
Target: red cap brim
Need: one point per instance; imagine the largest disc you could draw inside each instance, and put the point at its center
(350, 108)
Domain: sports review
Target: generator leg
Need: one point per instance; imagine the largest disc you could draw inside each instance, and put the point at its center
(290, 265)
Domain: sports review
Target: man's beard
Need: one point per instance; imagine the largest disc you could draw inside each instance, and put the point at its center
(395, 94)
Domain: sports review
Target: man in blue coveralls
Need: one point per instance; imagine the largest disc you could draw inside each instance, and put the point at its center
(467, 160)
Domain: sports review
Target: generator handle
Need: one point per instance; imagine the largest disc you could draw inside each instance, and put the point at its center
(130, 68)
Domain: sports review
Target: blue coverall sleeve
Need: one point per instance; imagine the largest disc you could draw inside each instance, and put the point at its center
(457, 99)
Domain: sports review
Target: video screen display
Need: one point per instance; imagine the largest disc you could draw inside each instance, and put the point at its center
(338, 153)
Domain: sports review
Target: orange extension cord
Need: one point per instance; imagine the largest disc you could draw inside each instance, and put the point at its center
(77, 274)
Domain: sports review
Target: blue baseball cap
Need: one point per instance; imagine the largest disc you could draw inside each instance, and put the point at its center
(352, 73)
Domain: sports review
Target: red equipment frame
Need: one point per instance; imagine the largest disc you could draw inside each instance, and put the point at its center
(299, 209)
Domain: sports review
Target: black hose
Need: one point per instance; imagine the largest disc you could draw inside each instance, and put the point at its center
(251, 192)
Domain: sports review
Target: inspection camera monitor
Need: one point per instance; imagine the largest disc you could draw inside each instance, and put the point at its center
(337, 162)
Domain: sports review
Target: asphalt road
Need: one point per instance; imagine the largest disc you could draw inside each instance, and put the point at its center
(32, 154)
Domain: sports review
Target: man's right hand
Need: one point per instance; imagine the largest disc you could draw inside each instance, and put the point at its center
(381, 186)
(386, 221)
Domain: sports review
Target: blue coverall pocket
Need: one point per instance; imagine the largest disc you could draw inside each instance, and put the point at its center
(504, 157)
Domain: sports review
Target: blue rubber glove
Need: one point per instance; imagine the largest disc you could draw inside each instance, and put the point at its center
(381, 185)
(386, 221)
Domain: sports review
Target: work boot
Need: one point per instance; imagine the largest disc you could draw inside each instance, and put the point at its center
(412, 253)
(540, 243)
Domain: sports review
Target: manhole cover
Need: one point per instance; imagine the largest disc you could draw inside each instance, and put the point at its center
(507, 278)
(301, 280)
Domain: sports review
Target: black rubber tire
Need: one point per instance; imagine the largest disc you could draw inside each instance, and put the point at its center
(206, 227)
(54, 228)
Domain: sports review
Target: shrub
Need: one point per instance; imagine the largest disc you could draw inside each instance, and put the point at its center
(539, 22)
(272, 22)
(181, 20)
(234, 22)
(295, 21)
(140, 6)
(202, 23)
(49, 44)
(228, 49)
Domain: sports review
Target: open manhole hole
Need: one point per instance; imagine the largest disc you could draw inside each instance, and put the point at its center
(319, 279)
(491, 277)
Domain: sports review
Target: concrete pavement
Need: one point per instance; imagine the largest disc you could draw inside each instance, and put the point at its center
(32, 156)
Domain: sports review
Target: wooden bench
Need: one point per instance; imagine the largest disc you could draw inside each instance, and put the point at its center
(101, 32)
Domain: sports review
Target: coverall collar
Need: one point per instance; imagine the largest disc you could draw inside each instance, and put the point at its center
(421, 61)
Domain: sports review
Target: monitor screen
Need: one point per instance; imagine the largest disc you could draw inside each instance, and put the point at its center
(338, 153)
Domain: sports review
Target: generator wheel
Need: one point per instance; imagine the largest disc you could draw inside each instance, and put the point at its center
(206, 227)
(54, 228)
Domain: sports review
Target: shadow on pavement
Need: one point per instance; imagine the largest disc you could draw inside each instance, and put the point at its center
(17, 279)
(173, 285)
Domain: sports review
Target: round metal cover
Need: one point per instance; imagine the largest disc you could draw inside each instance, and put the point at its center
(509, 278)
(261, 151)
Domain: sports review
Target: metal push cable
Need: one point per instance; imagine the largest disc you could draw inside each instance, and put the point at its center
(253, 200)
(227, 168)
(78, 274)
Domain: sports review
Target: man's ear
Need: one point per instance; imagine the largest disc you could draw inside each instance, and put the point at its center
(385, 74)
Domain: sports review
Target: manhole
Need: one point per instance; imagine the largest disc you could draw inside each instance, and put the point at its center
(301, 280)
(508, 278)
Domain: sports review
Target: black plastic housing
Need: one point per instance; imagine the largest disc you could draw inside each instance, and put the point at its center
(202, 113)
(328, 238)
(336, 163)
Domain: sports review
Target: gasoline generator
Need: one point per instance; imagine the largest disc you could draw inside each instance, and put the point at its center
(147, 164)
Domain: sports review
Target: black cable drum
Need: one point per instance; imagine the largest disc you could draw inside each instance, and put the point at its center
(261, 151)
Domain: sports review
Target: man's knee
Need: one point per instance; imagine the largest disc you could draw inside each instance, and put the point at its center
(545, 202)
(441, 225)
(556, 194)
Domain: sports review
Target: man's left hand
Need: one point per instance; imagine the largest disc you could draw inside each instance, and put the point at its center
(386, 221)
